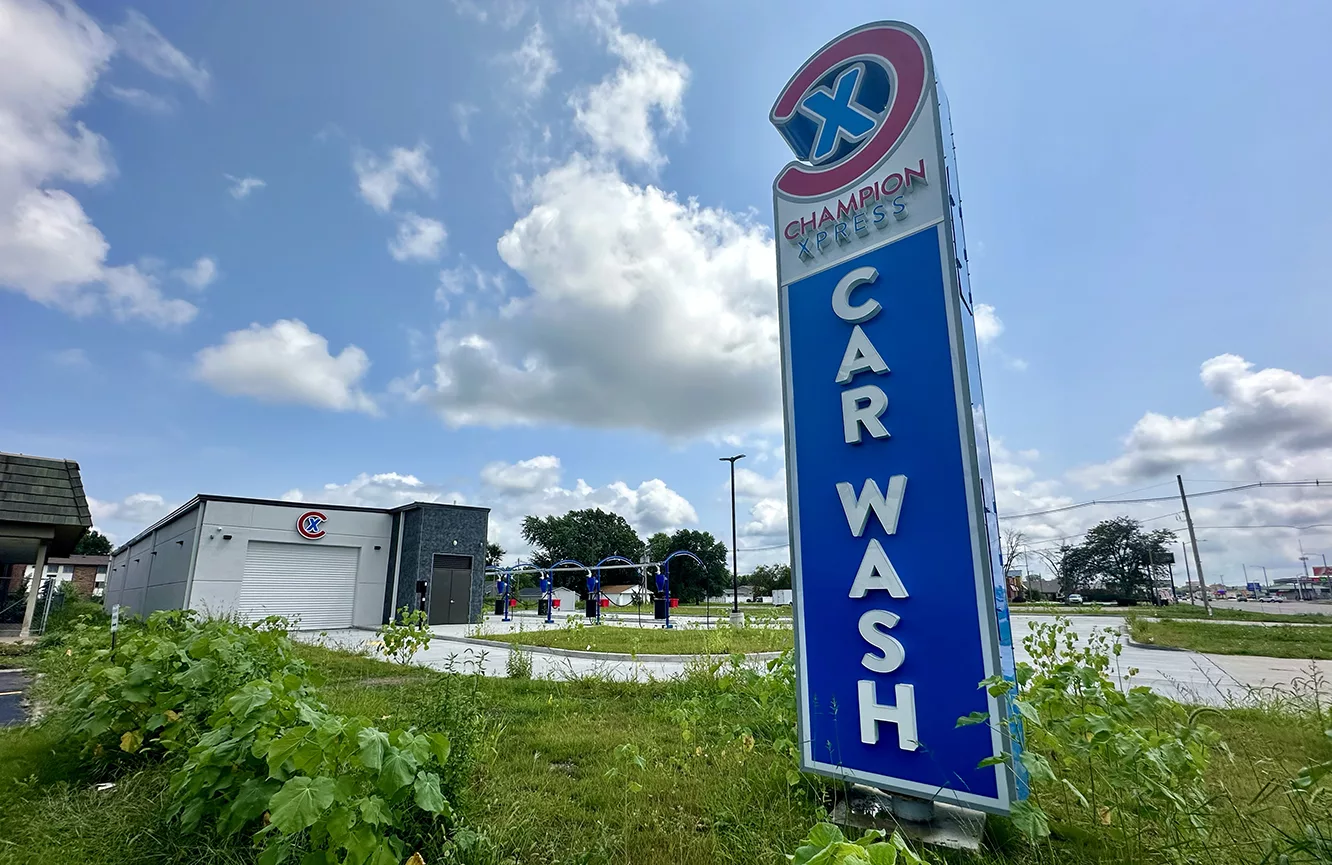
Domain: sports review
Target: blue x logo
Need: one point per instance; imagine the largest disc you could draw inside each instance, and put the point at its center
(837, 114)
(312, 524)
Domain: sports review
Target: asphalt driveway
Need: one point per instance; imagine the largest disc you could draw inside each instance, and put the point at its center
(13, 690)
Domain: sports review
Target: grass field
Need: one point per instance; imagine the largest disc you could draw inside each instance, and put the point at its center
(680, 640)
(1274, 641)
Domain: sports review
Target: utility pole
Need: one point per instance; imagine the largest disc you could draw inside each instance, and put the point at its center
(1305, 560)
(735, 568)
(1246, 576)
(1197, 557)
(1188, 575)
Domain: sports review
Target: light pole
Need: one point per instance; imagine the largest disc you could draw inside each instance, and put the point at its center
(735, 567)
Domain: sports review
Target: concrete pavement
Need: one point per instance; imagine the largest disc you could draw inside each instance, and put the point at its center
(13, 691)
(1187, 676)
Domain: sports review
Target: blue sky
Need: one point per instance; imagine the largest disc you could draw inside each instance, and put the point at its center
(518, 254)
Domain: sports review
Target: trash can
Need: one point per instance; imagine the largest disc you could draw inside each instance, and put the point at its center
(592, 608)
(658, 608)
(499, 606)
(542, 605)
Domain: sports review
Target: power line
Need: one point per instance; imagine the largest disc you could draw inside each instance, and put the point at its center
(1094, 502)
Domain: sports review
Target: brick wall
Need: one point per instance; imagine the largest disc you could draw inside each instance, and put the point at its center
(85, 577)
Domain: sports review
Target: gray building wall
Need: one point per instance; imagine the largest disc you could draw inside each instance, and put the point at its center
(451, 529)
(220, 567)
(152, 573)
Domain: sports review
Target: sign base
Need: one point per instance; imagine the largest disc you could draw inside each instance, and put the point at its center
(945, 825)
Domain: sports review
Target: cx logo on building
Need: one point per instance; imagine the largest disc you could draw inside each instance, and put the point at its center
(311, 525)
(849, 107)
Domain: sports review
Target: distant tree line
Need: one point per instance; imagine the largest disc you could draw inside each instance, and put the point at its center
(592, 534)
(1117, 560)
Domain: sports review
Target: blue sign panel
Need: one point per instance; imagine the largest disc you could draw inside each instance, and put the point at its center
(898, 616)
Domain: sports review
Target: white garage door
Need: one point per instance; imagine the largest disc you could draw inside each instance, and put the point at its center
(311, 582)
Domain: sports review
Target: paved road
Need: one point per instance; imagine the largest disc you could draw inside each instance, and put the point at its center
(1188, 676)
(1285, 608)
(13, 688)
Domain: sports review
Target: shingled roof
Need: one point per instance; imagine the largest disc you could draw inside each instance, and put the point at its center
(44, 492)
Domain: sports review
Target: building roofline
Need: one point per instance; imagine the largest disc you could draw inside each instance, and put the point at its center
(246, 500)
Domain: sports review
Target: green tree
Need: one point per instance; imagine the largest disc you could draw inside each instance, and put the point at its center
(765, 578)
(93, 543)
(690, 583)
(587, 536)
(1118, 558)
(494, 554)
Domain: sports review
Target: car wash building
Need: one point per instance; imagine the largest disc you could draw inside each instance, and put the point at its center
(328, 566)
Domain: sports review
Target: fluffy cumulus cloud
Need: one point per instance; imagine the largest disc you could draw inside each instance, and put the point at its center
(419, 238)
(644, 311)
(50, 251)
(1270, 425)
(620, 114)
(988, 325)
(522, 477)
(386, 490)
(199, 275)
(119, 520)
(382, 179)
(286, 363)
(533, 487)
(532, 64)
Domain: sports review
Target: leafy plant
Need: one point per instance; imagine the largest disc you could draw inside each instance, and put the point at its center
(1126, 766)
(826, 845)
(403, 638)
(519, 663)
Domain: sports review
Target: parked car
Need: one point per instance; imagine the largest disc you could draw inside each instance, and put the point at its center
(1272, 599)
(1073, 599)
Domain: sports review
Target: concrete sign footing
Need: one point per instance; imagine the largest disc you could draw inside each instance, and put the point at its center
(938, 823)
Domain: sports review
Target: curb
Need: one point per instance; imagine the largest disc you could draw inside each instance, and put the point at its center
(599, 656)
(1158, 648)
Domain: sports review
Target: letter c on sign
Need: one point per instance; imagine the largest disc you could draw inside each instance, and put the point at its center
(841, 298)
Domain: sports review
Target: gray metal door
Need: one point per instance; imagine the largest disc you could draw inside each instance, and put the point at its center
(450, 590)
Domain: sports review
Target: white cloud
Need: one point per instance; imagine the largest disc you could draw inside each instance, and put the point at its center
(531, 487)
(381, 179)
(524, 476)
(533, 63)
(988, 325)
(767, 524)
(140, 99)
(644, 312)
(137, 511)
(419, 238)
(751, 484)
(617, 114)
(387, 490)
(1272, 424)
(286, 363)
(471, 283)
(462, 116)
(150, 49)
(49, 249)
(199, 275)
(241, 187)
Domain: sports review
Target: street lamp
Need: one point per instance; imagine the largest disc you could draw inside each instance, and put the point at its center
(735, 567)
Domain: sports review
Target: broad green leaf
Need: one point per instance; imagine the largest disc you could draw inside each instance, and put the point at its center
(300, 802)
(249, 803)
(373, 745)
(375, 811)
(439, 745)
(973, 718)
(131, 741)
(386, 853)
(398, 770)
(1030, 820)
(427, 794)
(991, 761)
(282, 747)
(882, 854)
(275, 853)
(1038, 768)
(816, 848)
(253, 696)
(1027, 711)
